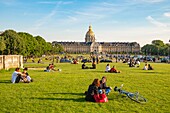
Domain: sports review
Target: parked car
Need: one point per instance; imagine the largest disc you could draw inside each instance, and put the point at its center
(86, 60)
(164, 60)
(65, 61)
(105, 60)
(148, 58)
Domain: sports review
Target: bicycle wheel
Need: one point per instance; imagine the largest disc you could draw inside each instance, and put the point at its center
(137, 97)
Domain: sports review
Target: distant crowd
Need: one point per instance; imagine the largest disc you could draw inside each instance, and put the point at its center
(97, 90)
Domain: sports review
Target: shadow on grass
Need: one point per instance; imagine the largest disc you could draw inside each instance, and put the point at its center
(151, 72)
(81, 94)
(63, 99)
(5, 81)
(90, 70)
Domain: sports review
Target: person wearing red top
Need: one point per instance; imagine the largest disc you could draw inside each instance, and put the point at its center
(114, 70)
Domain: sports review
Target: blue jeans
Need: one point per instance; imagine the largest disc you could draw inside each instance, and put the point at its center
(107, 91)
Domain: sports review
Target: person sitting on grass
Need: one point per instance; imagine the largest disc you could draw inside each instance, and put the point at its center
(16, 76)
(25, 77)
(51, 66)
(150, 67)
(103, 86)
(75, 61)
(145, 67)
(93, 95)
(107, 68)
(137, 63)
(47, 68)
(84, 66)
(114, 70)
(92, 90)
(93, 66)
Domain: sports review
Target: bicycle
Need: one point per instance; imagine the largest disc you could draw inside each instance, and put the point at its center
(133, 96)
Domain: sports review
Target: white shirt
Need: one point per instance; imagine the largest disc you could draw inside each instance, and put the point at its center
(145, 68)
(14, 76)
(138, 63)
(29, 78)
(107, 68)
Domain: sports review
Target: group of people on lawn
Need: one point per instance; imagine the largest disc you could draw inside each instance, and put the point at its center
(50, 68)
(18, 76)
(111, 70)
(86, 67)
(108, 69)
(98, 91)
(147, 67)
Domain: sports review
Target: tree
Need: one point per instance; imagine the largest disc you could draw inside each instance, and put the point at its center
(158, 43)
(31, 44)
(156, 48)
(25, 44)
(13, 42)
(2, 45)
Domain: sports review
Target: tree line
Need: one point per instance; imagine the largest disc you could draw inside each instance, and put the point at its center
(21, 43)
(157, 47)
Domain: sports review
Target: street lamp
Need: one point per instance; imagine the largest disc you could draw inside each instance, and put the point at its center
(116, 53)
(53, 54)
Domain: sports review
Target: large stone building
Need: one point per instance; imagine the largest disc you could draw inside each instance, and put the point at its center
(90, 45)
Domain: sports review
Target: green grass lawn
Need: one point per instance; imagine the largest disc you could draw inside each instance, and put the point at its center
(64, 91)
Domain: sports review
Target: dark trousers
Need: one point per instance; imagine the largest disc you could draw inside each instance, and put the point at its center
(18, 79)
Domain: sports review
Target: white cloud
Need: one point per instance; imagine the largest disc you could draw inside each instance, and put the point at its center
(72, 18)
(167, 14)
(88, 14)
(155, 22)
(45, 19)
(150, 1)
(153, 1)
(9, 2)
(55, 2)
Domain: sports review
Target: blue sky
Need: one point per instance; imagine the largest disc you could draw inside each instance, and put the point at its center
(68, 20)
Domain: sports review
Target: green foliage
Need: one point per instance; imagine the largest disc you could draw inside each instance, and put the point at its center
(63, 92)
(156, 48)
(158, 43)
(25, 44)
(2, 45)
(14, 43)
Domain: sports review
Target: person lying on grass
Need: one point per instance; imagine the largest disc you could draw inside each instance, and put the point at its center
(93, 66)
(114, 70)
(84, 66)
(104, 87)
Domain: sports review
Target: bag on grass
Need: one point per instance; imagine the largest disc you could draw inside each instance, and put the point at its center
(101, 98)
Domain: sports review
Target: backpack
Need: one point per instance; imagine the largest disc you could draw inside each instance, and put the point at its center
(100, 98)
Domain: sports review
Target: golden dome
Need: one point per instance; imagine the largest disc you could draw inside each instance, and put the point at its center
(90, 36)
(90, 32)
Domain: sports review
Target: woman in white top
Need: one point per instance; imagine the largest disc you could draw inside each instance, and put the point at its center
(145, 67)
(107, 68)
